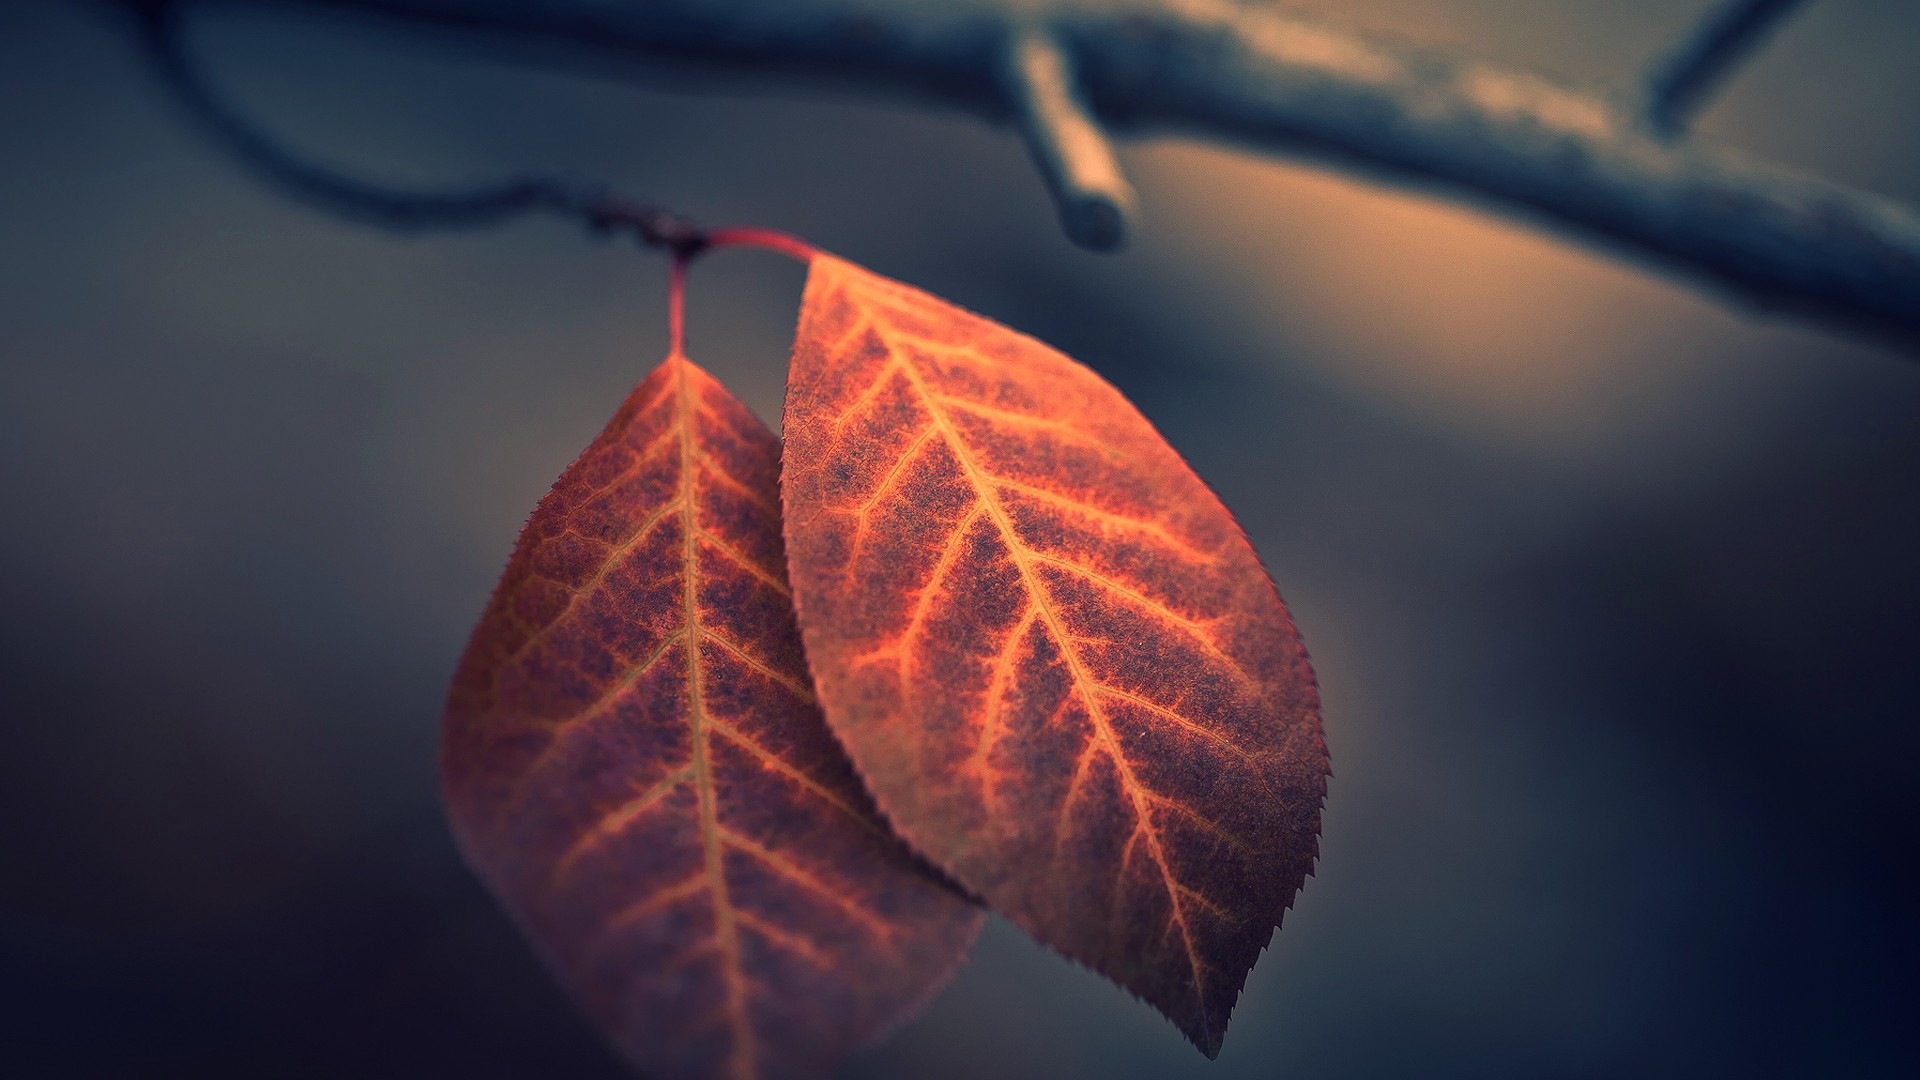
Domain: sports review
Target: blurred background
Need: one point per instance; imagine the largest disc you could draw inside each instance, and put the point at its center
(1613, 589)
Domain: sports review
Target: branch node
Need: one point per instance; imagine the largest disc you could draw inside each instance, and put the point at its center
(1068, 145)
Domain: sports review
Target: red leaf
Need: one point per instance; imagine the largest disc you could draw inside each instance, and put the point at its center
(634, 762)
(1049, 649)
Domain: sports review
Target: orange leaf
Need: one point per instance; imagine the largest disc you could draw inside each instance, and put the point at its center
(1047, 646)
(634, 762)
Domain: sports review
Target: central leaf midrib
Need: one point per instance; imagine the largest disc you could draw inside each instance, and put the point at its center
(742, 1064)
(1084, 683)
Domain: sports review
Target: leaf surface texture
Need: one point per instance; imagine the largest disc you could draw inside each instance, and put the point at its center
(634, 761)
(1049, 649)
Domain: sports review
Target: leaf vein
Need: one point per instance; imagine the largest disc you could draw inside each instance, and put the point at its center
(1023, 559)
(990, 725)
(615, 820)
(800, 876)
(1020, 419)
(773, 761)
(786, 939)
(586, 588)
(923, 604)
(728, 480)
(867, 395)
(1194, 628)
(661, 898)
(558, 732)
(733, 555)
(1151, 528)
(1148, 705)
(758, 666)
(1208, 824)
(741, 1062)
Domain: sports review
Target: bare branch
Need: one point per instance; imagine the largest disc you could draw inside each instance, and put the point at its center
(1682, 85)
(383, 206)
(1254, 75)
(1069, 148)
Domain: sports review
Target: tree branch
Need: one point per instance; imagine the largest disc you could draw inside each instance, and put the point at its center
(387, 207)
(1274, 81)
(1685, 81)
(1069, 148)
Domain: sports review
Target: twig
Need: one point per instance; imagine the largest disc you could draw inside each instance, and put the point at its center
(1252, 74)
(1068, 146)
(389, 207)
(1683, 83)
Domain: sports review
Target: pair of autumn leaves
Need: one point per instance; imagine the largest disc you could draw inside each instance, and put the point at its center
(1021, 636)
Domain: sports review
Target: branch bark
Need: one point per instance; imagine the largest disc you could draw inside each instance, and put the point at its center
(1276, 82)
(1686, 80)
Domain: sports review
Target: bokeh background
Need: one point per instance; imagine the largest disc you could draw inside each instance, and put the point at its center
(1613, 589)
